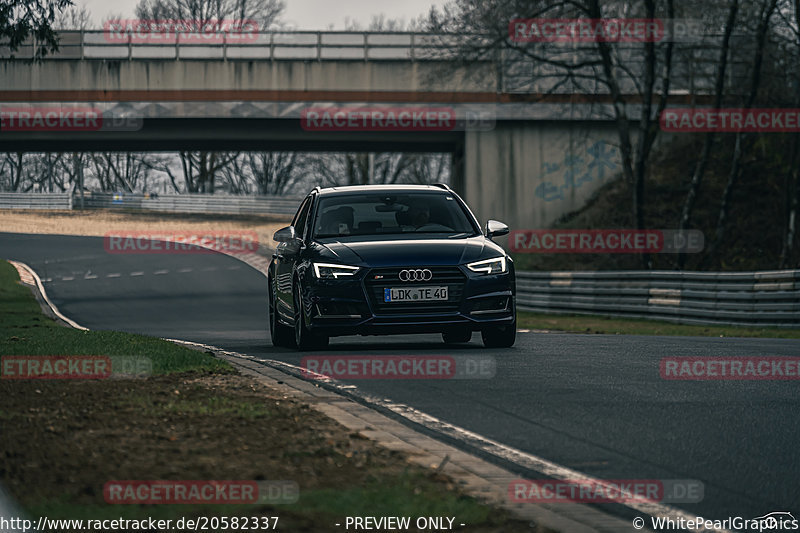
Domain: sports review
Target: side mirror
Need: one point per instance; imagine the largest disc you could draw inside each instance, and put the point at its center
(496, 229)
(286, 234)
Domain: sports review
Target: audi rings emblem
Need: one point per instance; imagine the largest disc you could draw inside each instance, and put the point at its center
(419, 274)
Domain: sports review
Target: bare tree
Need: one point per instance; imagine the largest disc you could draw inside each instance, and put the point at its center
(265, 12)
(200, 169)
(766, 11)
(792, 176)
(21, 19)
(269, 172)
(11, 165)
(333, 169)
(73, 18)
(640, 72)
(122, 171)
(44, 173)
(708, 141)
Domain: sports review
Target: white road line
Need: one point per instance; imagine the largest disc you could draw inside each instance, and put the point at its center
(114, 275)
(498, 449)
(67, 278)
(184, 270)
(137, 273)
(47, 298)
(159, 272)
(90, 276)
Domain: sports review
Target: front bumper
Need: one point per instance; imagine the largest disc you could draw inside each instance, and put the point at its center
(356, 307)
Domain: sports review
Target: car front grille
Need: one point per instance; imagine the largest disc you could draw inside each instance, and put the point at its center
(379, 278)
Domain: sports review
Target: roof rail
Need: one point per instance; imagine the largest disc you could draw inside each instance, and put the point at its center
(442, 186)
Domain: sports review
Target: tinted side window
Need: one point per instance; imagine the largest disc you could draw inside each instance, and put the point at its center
(301, 217)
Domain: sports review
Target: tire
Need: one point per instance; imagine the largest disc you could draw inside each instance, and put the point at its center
(500, 337)
(457, 336)
(282, 336)
(304, 339)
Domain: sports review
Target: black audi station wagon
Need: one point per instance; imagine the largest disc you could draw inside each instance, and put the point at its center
(389, 259)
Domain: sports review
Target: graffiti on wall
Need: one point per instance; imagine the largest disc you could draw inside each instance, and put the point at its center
(599, 163)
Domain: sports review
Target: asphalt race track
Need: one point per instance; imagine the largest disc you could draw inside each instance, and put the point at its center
(592, 403)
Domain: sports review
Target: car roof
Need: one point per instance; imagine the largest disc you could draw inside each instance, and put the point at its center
(350, 189)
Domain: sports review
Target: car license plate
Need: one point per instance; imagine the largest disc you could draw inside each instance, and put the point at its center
(414, 294)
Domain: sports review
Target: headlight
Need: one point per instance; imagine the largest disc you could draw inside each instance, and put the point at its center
(329, 271)
(489, 266)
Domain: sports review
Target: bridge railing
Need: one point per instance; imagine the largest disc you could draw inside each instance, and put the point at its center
(726, 298)
(694, 70)
(296, 45)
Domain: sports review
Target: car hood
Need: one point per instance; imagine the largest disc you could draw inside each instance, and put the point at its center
(407, 252)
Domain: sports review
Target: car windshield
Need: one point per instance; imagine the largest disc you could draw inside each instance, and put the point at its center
(390, 214)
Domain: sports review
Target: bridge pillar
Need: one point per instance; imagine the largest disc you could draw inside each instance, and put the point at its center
(528, 174)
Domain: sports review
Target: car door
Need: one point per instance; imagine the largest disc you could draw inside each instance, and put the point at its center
(286, 256)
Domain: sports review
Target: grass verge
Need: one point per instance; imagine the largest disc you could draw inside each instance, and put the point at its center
(24, 330)
(626, 326)
(63, 440)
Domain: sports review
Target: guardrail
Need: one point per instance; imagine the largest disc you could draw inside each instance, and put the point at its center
(194, 203)
(184, 203)
(35, 200)
(737, 298)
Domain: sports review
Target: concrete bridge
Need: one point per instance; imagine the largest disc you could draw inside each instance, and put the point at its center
(524, 150)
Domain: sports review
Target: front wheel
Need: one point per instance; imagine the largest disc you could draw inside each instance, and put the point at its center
(282, 336)
(501, 336)
(304, 338)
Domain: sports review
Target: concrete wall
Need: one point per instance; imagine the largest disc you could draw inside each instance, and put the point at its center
(528, 174)
(244, 75)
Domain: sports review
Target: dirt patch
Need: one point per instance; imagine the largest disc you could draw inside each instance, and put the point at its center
(97, 223)
(72, 437)
(63, 440)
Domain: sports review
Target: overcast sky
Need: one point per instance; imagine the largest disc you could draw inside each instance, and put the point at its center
(300, 14)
